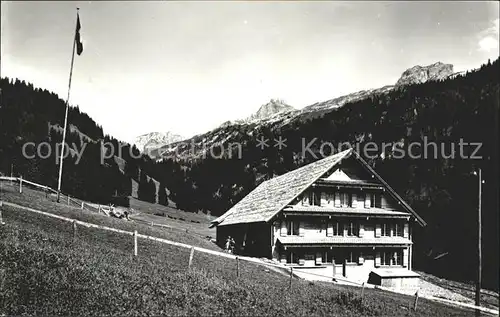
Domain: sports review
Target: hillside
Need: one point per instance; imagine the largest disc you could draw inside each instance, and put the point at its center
(49, 270)
(103, 175)
(462, 108)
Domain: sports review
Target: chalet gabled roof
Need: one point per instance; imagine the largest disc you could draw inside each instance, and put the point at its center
(271, 196)
(393, 193)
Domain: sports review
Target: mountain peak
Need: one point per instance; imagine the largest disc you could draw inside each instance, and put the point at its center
(421, 74)
(156, 139)
(271, 108)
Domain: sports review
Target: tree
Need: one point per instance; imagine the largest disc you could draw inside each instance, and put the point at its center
(162, 195)
(142, 191)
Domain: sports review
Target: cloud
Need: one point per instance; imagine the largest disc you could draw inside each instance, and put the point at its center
(488, 43)
(489, 37)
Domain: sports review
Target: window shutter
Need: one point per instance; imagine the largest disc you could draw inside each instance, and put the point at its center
(354, 203)
(361, 232)
(283, 229)
(301, 229)
(378, 230)
(377, 259)
(329, 229)
(337, 199)
(318, 258)
(405, 231)
(405, 257)
(367, 200)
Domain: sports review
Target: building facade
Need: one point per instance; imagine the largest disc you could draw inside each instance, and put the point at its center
(336, 215)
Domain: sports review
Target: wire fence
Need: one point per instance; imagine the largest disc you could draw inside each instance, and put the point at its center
(135, 235)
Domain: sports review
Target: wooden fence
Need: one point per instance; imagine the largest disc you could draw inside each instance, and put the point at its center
(50, 191)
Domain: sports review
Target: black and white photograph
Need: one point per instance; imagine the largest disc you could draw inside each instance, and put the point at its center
(249, 158)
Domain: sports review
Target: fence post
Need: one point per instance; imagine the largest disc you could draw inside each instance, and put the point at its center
(416, 300)
(362, 291)
(68, 200)
(135, 242)
(1, 219)
(74, 230)
(291, 276)
(82, 204)
(334, 269)
(191, 257)
(344, 268)
(21, 185)
(237, 267)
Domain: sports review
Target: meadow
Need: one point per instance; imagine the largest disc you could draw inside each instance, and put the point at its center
(45, 270)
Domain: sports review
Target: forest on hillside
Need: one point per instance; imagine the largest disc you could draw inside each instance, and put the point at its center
(443, 190)
(29, 114)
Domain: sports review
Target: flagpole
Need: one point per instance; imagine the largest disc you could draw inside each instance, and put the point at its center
(66, 114)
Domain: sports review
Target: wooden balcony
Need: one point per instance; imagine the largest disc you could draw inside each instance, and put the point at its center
(328, 211)
(358, 184)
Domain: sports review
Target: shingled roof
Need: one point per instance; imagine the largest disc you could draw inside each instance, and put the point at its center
(271, 196)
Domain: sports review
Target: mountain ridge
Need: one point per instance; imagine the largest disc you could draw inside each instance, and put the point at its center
(284, 114)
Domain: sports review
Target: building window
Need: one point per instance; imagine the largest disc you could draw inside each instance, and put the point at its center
(292, 257)
(327, 257)
(398, 229)
(386, 258)
(352, 229)
(337, 227)
(351, 257)
(398, 258)
(385, 230)
(391, 258)
(328, 197)
(375, 200)
(314, 198)
(292, 228)
(305, 200)
(345, 200)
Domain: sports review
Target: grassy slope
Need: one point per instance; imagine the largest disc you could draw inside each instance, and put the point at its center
(145, 207)
(45, 272)
(35, 199)
(489, 298)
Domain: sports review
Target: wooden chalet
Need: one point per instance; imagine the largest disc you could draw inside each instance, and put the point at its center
(337, 212)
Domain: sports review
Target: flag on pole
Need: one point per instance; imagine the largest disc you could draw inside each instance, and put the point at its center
(79, 44)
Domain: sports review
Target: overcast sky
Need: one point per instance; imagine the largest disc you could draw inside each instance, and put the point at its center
(186, 67)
